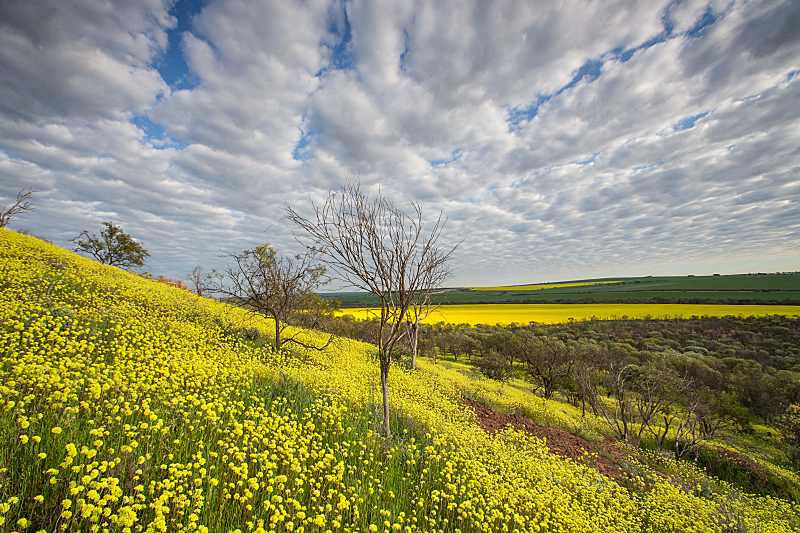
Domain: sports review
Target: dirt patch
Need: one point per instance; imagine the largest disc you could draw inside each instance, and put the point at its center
(605, 457)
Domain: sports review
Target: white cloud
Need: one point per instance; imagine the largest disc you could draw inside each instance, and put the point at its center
(684, 152)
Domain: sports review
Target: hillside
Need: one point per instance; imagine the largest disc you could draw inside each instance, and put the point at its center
(781, 288)
(133, 405)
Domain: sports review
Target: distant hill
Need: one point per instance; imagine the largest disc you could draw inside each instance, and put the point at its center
(777, 288)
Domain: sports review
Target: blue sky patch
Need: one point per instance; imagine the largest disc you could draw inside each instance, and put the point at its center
(405, 52)
(172, 64)
(454, 156)
(302, 150)
(687, 123)
(155, 134)
(342, 51)
(706, 19)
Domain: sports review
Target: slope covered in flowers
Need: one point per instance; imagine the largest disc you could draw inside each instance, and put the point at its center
(130, 405)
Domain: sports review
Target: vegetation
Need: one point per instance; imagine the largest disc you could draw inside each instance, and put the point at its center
(561, 313)
(131, 405)
(683, 386)
(112, 247)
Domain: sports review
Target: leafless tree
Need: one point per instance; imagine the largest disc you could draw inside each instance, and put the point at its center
(655, 386)
(371, 244)
(420, 309)
(198, 279)
(276, 287)
(21, 205)
(617, 411)
(704, 414)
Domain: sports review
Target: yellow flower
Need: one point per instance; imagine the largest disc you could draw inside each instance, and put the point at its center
(56, 430)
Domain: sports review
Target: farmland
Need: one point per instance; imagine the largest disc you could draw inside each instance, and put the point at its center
(128, 404)
(729, 289)
(544, 286)
(560, 313)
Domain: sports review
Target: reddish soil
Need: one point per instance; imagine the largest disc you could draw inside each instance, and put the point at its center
(606, 457)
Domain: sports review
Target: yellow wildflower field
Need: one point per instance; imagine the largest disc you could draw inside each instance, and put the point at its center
(560, 313)
(543, 286)
(130, 405)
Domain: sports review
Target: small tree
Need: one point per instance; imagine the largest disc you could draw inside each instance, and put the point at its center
(112, 247)
(656, 387)
(198, 280)
(611, 372)
(549, 362)
(420, 309)
(20, 206)
(372, 245)
(272, 286)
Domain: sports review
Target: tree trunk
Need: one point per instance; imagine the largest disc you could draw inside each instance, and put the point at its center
(663, 437)
(385, 391)
(277, 333)
(414, 344)
(549, 388)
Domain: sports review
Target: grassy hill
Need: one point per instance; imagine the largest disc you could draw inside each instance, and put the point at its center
(781, 288)
(130, 405)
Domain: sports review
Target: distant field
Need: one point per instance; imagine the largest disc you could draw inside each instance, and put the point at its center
(542, 286)
(560, 313)
(756, 289)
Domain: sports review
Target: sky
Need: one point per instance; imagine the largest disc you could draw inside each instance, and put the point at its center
(562, 140)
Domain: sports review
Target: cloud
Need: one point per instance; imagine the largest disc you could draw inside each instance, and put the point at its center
(599, 138)
(84, 59)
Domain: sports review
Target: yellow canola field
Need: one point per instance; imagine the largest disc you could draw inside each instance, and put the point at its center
(561, 313)
(542, 286)
(130, 405)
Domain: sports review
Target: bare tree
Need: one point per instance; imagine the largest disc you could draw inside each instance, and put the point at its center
(421, 308)
(198, 279)
(272, 286)
(705, 412)
(112, 247)
(21, 205)
(372, 245)
(615, 375)
(656, 386)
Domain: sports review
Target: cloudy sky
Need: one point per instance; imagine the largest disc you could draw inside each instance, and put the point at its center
(596, 138)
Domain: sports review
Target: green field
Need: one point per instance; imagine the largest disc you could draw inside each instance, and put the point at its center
(543, 286)
(762, 289)
(560, 313)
